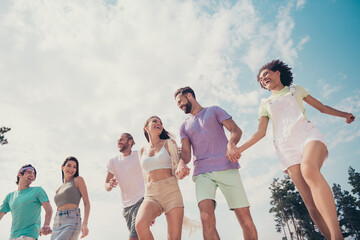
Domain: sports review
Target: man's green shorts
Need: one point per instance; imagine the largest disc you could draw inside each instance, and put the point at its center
(230, 184)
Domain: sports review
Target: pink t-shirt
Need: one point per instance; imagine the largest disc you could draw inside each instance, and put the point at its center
(128, 173)
(208, 140)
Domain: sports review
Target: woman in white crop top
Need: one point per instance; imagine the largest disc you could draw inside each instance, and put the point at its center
(162, 193)
(67, 222)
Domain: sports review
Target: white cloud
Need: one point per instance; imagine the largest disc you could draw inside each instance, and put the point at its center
(302, 42)
(327, 88)
(300, 4)
(77, 74)
(269, 43)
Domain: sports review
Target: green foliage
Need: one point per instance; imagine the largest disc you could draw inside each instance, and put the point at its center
(347, 205)
(354, 180)
(3, 130)
(293, 220)
(288, 208)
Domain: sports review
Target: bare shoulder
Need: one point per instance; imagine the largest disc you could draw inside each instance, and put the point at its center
(79, 180)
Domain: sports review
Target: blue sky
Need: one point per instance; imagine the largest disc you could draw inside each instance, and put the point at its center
(75, 74)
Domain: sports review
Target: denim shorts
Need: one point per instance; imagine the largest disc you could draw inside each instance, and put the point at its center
(67, 225)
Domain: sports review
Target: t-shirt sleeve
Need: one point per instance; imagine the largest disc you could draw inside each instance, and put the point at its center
(42, 196)
(262, 111)
(109, 167)
(5, 207)
(221, 114)
(183, 133)
(302, 92)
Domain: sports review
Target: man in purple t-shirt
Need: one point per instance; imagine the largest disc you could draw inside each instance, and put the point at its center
(215, 162)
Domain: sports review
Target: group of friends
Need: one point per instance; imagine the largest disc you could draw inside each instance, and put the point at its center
(148, 178)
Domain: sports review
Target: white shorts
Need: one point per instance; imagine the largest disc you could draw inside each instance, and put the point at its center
(290, 149)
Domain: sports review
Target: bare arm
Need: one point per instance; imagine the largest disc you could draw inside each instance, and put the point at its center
(185, 157)
(185, 150)
(80, 184)
(110, 182)
(235, 135)
(260, 133)
(328, 110)
(1, 215)
(48, 213)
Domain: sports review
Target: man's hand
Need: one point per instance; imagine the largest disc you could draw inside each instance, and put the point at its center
(45, 230)
(113, 183)
(232, 153)
(182, 170)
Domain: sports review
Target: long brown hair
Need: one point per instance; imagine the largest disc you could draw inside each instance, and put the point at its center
(164, 134)
(71, 158)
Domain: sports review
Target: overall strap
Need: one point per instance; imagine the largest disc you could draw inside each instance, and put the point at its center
(292, 89)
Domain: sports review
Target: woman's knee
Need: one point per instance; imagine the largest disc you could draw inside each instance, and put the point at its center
(309, 172)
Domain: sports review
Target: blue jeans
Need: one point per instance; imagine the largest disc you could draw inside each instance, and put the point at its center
(67, 225)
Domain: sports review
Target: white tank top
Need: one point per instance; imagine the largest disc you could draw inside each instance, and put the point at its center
(161, 160)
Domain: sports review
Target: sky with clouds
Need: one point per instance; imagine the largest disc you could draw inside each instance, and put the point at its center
(76, 74)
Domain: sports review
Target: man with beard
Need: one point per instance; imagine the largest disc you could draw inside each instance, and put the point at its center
(125, 170)
(25, 206)
(215, 162)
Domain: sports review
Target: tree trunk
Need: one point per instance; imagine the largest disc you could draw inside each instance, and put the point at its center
(284, 231)
(293, 221)
(286, 221)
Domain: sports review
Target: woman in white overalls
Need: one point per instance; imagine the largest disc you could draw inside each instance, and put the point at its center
(299, 144)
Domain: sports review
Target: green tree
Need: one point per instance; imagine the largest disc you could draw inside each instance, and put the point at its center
(279, 191)
(3, 130)
(354, 180)
(289, 208)
(348, 212)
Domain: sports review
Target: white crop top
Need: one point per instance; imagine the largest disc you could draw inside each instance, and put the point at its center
(161, 160)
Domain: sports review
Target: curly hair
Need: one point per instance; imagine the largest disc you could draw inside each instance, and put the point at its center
(286, 76)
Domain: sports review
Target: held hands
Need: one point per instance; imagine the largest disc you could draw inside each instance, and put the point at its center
(45, 230)
(182, 170)
(349, 118)
(84, 230)
(232, 153)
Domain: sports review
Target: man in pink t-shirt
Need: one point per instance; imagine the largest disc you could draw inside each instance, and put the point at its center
(203, 132)
(125, 170)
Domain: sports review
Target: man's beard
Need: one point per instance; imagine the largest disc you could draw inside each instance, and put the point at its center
(124, 147)
(188, 106)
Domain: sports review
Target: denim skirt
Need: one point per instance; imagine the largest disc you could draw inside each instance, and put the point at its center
(67, 225)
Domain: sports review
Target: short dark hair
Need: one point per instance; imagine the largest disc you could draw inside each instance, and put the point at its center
(129, 137)
(184, 90)
(286, 76)
(23, 171)
(71, 158)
